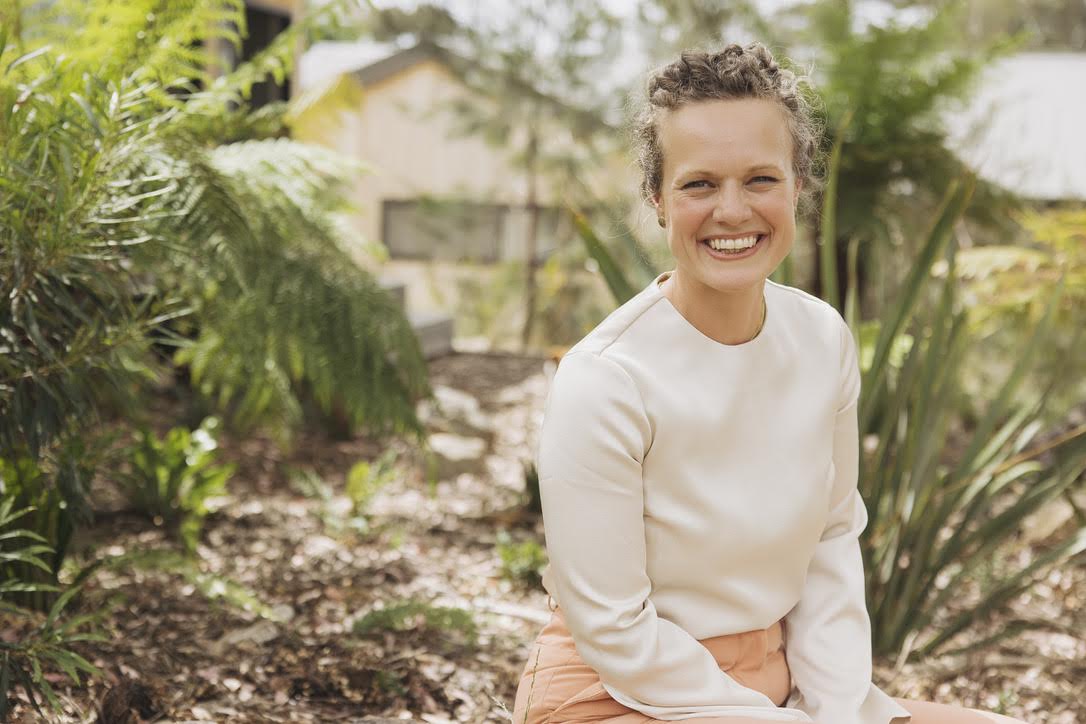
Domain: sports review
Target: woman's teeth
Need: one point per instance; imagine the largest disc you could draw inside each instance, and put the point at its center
(733, 245)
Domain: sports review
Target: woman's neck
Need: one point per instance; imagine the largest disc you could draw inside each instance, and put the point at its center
(730, 318)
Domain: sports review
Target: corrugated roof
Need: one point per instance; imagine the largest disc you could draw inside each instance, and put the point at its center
(1026, 126)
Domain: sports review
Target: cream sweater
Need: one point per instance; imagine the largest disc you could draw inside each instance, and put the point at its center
(693, 489)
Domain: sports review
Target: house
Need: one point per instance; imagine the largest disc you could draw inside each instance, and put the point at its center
(449, 206)
(266, 19)
(425, 163)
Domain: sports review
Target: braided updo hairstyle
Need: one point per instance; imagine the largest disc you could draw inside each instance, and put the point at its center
(732, 73)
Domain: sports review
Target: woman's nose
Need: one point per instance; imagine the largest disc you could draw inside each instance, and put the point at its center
(731, 207)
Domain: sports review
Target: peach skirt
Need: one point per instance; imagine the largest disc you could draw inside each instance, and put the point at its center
(558, 687)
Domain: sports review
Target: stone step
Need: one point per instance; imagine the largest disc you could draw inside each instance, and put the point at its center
(397, 289)
(435, 332)
(434, 329)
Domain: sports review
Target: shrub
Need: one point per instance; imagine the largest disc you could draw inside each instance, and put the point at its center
(123, 213)
(46, 518)
(171, 479)
(42, 641)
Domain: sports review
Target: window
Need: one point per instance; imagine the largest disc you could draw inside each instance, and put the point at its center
(467, 231)
(442, 231)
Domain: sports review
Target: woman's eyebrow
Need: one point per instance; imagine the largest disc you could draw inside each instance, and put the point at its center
(773, 168)
(694, 172)
(765, 167)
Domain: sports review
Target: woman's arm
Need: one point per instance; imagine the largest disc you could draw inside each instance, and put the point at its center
(828, 633)
(594, 438)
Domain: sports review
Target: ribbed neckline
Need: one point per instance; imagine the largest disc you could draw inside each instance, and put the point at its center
(757, 341)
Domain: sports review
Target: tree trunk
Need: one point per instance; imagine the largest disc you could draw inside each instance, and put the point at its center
(532, 241)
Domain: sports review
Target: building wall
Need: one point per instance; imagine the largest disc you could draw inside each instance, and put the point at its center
(404, 131)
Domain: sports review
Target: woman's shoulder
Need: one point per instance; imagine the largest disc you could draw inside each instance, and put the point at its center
(803, 308)
(628, 319)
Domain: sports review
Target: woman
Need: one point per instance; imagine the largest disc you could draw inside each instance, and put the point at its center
(698, 458)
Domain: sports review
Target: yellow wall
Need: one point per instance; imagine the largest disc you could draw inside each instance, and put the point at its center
(403, 130)
(405, 133)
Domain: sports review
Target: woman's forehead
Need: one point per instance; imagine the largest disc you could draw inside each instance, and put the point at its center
(739, 133)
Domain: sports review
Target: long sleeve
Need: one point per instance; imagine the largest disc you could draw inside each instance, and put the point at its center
(594, 438)
(829, 630)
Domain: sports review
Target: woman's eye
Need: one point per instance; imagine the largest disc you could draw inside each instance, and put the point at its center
(764, 179)
(695, 184)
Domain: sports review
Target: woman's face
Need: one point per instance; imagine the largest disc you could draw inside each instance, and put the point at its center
(727, 175)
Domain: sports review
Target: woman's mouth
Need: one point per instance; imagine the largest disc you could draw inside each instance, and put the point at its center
(733, 248)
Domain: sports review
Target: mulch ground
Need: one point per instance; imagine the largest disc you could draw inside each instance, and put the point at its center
(260, 626)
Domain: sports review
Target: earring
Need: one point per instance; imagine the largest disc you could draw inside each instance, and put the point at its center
(661, 222)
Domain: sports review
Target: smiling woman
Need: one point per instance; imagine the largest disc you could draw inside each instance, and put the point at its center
(699, 453)
(727, 196)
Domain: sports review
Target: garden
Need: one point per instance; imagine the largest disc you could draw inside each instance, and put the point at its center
(232, 488)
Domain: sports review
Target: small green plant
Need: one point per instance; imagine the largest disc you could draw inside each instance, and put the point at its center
(335, 513)
(20, 546)
(365, 480)
(415, 615)
(48, 643)
(522, 562)
(171, 479)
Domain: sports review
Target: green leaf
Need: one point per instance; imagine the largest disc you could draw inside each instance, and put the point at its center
(27, 57)
(1005, 590)
(955, 200)
(828, 232)
(620, 286)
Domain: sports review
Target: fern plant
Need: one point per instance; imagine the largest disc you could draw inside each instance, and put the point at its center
(365, 479)
(123, 220)
(126, 226)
